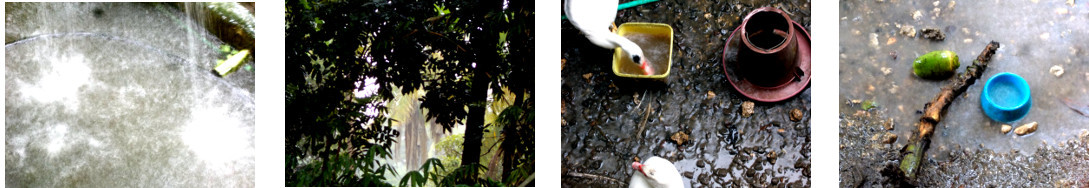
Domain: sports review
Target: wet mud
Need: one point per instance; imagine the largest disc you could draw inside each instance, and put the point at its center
(121, 95)
(609, 121)
(881, 98)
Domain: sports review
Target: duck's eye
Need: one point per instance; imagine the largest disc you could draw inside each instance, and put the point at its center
(636, 59)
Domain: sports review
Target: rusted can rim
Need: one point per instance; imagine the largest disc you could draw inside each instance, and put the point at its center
(786, 22)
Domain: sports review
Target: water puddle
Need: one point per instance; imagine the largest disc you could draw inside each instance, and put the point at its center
(876, 53)
(118, 95)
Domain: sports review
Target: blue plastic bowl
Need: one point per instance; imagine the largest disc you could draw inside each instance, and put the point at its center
(1006, 97)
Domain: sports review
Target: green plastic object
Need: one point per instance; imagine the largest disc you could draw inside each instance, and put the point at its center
(623, 6)
(936, 65)
(231, 64)
(633, 3)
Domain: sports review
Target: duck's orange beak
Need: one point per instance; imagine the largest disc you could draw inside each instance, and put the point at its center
(646, 68)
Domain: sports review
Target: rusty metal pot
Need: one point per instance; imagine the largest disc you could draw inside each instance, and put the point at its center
(769, 48)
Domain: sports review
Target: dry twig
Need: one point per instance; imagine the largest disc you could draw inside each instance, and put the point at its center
(919, 143)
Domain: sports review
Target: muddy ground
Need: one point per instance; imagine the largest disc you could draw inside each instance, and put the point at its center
(867, 160)
(881, 38)
(603, 114)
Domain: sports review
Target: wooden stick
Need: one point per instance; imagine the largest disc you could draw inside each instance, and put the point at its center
(596, 177)
(646, 114)
(913, 152)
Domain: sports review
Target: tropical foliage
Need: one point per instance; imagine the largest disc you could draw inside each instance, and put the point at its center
(346, 59)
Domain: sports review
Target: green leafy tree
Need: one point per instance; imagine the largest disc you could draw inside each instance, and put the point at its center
(456, 51)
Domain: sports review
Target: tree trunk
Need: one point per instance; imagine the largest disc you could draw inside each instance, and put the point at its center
(519, 37)
(474, 128)
(508, 152)
(484, 43)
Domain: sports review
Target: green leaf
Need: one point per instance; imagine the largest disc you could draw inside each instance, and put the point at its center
(224, 48)
(868, 104)
(413, 178)
(231, 64)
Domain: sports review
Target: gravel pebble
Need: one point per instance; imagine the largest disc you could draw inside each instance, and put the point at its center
(1026, 129)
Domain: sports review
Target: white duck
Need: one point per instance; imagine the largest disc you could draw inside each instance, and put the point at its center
(593, 18)
(655, 172)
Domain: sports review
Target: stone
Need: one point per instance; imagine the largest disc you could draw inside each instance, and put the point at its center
(908, 30)
(800, 164)
(710, 94)
(1026, 129)
(704, 179)
(1006, 128)
(888, 138)
(1056, 70)
(873, 41)
(916, 15)
(680, 138)
(746, 108)
(796, 115)
(889, 124)
(721, 172)
(933, 34)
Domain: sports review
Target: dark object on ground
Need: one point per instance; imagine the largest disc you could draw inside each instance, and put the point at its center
(919, 143)
(796, 115)
(933, 34)
(1076, 109)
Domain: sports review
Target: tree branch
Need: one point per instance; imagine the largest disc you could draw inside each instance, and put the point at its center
(913, 152)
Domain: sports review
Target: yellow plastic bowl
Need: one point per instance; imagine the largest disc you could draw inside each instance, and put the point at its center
(624, 67)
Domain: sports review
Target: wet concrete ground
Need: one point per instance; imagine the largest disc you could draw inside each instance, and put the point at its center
(876, 52)
(867, 161)
(602, 113)
(121, 95)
